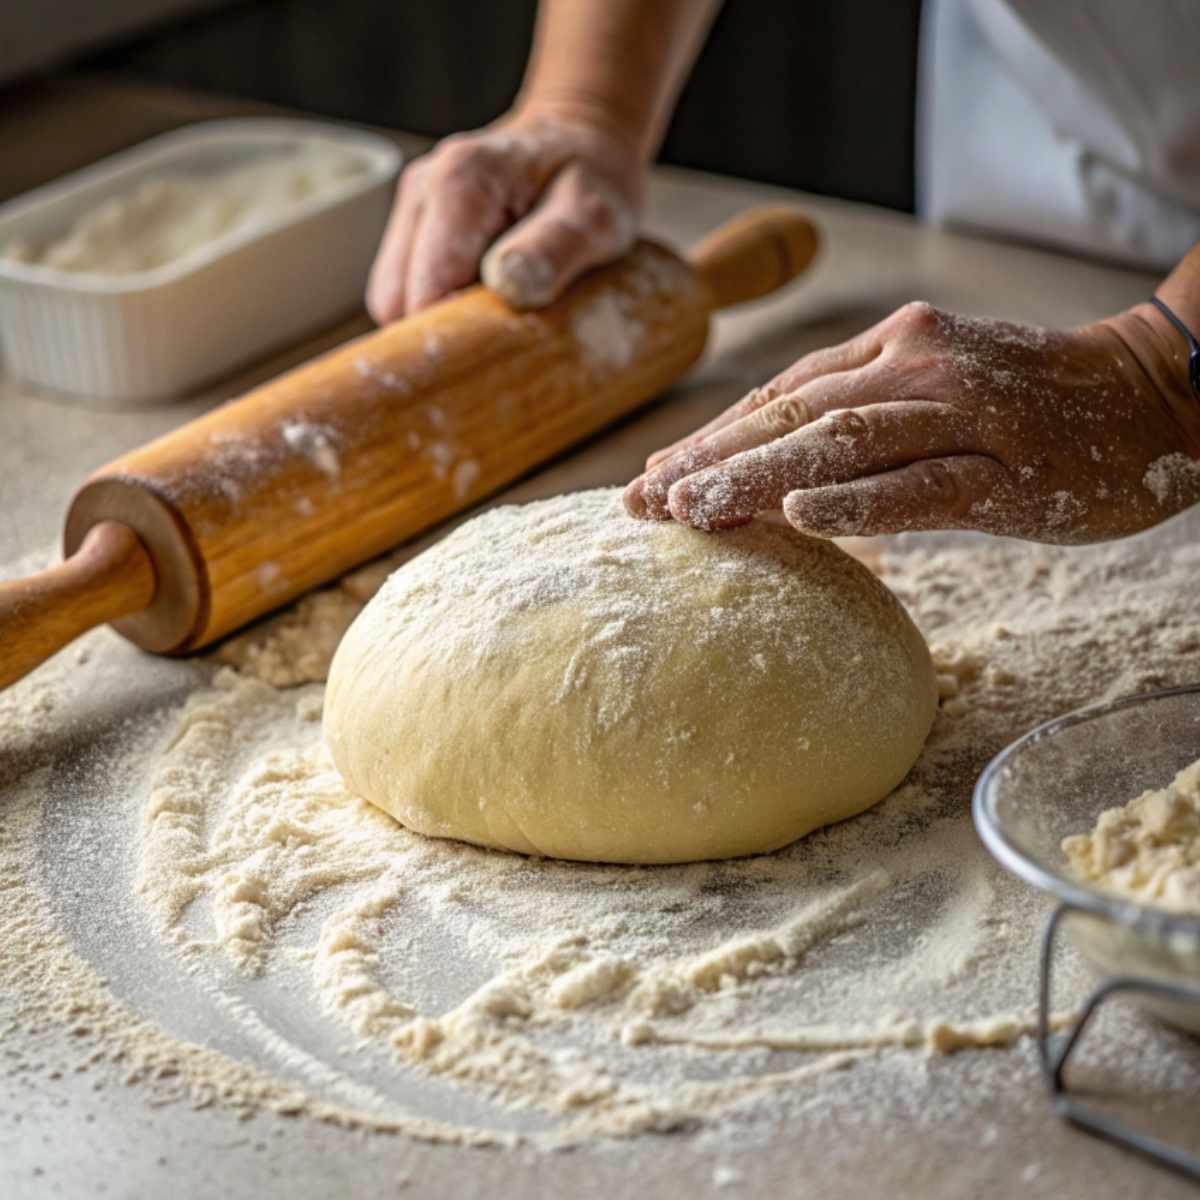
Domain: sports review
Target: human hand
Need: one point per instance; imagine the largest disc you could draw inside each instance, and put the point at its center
(562, 194)
(932, 420)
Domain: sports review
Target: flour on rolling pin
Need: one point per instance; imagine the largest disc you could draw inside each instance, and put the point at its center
(607, 326)
(316, 443)
(605, 333)
(403, 382)
(240, 455)
(167, 218)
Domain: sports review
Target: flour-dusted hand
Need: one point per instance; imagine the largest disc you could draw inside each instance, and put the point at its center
(932, 420)
(560, 195)
(538, 197)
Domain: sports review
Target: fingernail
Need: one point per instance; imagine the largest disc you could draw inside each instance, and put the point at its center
(696, 502)
(829, 513)
(657, 484)
(635, 502)
(520, 278)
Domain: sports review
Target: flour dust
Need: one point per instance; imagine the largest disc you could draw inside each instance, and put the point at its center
(236, 929)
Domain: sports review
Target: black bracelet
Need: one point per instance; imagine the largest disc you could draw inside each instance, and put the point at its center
(1193, 345)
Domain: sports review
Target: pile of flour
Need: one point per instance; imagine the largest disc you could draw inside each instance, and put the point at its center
(1149, 848)
(398, 982)
(166, 218)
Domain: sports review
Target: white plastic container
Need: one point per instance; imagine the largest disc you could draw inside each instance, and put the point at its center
(157, 334)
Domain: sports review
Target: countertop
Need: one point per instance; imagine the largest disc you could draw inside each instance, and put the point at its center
(60, 1138)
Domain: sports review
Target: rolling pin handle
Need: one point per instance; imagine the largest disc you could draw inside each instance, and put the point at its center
(755, 254)
(108, 577)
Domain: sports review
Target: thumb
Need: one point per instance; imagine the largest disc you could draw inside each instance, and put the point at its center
(580, 222)
(967, 491)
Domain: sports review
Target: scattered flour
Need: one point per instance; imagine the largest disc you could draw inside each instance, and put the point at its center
(1172, 479)
(726, 1177)
(522, 999)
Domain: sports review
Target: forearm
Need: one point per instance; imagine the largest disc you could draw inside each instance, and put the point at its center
(621, 63)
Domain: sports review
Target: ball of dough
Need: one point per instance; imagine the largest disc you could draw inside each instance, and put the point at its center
(560, 679)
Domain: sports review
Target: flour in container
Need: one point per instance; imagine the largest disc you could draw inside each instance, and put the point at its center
(167, 218)
(1148, 849)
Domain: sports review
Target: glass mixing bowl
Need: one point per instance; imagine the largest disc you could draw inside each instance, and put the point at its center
(1056, 781)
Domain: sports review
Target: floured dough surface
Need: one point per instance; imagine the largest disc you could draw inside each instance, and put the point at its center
(559, 679)
(1149, 849)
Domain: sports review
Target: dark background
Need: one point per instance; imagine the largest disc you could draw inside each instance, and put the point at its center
(815, 94)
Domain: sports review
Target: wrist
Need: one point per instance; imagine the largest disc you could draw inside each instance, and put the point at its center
(585, 114)
(1154, 350)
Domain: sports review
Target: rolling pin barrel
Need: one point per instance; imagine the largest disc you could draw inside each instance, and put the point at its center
(342, 458)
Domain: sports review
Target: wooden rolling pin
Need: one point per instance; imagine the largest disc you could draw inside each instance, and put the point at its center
(331, 464)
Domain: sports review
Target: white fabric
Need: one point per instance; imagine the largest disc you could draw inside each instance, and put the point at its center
(1072, 122)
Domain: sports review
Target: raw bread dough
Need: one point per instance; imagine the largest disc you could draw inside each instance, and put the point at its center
(561, 679)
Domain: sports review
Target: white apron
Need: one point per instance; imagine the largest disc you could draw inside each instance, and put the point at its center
(1070, 122)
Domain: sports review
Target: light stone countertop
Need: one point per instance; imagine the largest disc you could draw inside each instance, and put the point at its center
(62, 1139)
